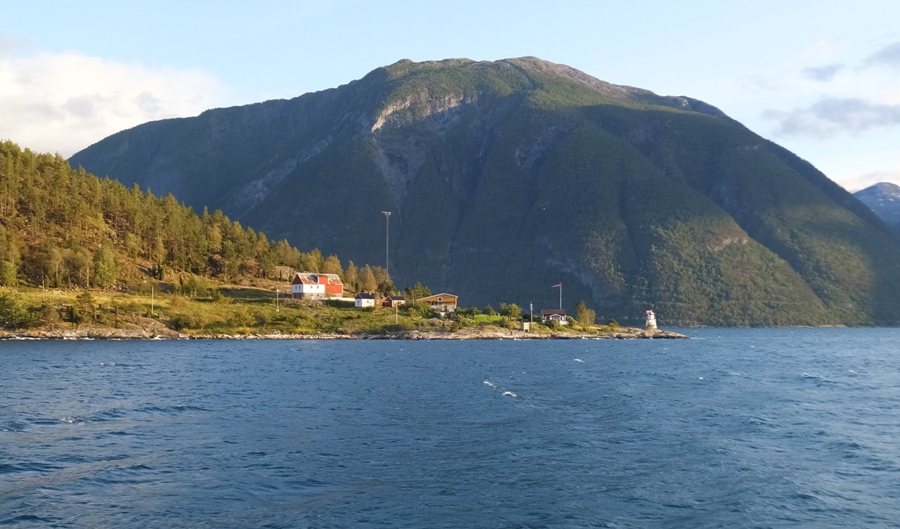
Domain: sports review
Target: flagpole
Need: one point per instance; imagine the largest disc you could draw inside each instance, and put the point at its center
(559, 286)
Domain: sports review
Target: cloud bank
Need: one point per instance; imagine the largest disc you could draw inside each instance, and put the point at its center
(65, 102)
(852, 98)
(829, 116)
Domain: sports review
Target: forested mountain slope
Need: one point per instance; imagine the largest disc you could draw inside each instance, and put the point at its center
(65, 228)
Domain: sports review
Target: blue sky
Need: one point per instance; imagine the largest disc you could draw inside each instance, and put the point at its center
(821, 78)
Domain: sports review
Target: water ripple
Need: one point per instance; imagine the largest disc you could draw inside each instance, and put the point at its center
(736, 428)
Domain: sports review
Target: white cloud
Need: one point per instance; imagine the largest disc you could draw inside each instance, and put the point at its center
(823, 73)
(832, 115)
(65, 102)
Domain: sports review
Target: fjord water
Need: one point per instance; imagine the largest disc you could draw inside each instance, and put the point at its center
(733, 428)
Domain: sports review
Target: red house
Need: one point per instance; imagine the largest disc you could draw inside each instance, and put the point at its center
(393, 301)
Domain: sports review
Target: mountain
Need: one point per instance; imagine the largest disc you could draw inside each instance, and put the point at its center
(507, 177)
(884, 200)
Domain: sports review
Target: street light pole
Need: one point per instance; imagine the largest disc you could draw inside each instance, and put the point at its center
(387, 231)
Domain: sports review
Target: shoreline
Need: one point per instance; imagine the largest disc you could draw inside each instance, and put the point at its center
(626, 333)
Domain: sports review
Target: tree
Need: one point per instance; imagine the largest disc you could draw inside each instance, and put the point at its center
(512, 311)
(105, 268)
(83, 308)
(8, 273)
(367, 280)
(196, 286)
(312, 261)
(351, 277)
(381, 275)
(585, 316)
(132, 245)
(214, 238)
(489, 310)
(332, 265)
(51, 265)
(13, 309)
(79, 265)
(416, 292)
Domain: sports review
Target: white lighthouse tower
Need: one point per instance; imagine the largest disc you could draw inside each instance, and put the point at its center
(651, 320)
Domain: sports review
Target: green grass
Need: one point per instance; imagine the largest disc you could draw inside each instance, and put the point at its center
(230, 310)
(484, 318)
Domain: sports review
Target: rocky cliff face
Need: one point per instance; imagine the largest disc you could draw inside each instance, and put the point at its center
(507, 177)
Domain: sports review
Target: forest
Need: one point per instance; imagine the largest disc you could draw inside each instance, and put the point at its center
(64, 228)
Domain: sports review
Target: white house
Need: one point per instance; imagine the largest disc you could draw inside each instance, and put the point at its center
(363, 300)
(306, 288)
(548, 315)
(308, 285)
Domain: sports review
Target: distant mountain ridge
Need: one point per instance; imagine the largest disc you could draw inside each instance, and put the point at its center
(507, 177)
(884, 200)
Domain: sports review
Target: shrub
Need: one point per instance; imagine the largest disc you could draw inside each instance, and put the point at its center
(14, 310)
(262, 317)
(240, 317)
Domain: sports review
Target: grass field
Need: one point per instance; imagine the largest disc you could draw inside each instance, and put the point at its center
(226, 310)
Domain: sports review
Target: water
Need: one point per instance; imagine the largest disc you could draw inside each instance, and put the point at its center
(735, 428)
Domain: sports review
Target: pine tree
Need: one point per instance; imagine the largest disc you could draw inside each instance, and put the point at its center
(367, 280)
(351, 277)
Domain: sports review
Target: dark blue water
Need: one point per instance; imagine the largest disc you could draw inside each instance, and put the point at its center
(735, 428)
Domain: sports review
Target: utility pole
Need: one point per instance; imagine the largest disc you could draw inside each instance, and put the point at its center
(387, 231)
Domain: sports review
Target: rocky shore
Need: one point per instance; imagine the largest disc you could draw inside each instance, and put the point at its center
(162, 333)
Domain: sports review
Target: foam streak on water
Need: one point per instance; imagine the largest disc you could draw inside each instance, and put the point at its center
(735, 428)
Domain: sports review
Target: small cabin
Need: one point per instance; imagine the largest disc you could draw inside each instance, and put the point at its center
(557, 315)
(364, 300)
(393, 302)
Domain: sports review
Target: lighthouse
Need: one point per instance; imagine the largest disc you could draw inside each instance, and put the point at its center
(651, 320)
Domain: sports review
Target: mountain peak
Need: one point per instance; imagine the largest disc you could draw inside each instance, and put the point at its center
(884, 200)
(535, 74)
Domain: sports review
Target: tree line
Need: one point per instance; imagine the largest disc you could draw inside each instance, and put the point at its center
(62, 227)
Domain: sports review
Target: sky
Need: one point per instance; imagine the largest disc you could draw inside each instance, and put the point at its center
(821, 78)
